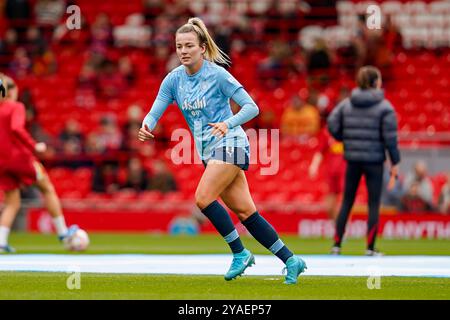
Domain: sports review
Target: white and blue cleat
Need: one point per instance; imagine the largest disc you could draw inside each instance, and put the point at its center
(294, 267)
(7, 249)
(241, 261)
(70, 232)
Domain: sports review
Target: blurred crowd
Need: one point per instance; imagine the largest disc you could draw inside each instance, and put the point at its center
(415, 192)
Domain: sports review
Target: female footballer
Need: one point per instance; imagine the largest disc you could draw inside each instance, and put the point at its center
(19, 167)
(202, 90)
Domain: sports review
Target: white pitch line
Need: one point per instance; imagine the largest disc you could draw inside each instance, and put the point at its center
(215, 264)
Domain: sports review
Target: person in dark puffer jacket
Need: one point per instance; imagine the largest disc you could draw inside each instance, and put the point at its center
(367, 124)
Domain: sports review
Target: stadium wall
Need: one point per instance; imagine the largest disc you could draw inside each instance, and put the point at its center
(307, 225)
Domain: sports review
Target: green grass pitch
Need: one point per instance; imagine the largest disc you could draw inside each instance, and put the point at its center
(43, 285)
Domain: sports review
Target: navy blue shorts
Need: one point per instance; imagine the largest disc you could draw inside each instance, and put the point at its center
(234, 155)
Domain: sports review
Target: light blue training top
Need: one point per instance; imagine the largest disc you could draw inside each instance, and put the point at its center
(204, 97)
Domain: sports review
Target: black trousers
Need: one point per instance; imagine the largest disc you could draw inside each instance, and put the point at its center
(373, 173)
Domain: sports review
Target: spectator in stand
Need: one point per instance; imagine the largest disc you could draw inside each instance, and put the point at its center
(8, 46)
(392, 35)
(48, 14)
(391, 197)
(412, 202)
(418, 184)
(319, 61)
(323, 103)
(160, 58)
(43, 59)
(35, 43)
(130, 135)
(92, 146)
(152, 10)
(300, 118)
(108, 135)
(134, 114)
(162, 179)
(20, 66)
(126, 70)
(444, 197)
(134, 33)
(71, 139)
(87, 86)
(163, 29)
(45, 64)
(18, 12)
(319, 57)
(106, 177)
(136, 176)
(111, 83)
(275, 68)
(101, 34)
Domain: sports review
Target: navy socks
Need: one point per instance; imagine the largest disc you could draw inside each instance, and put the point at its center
(265, 234)
(221, 220)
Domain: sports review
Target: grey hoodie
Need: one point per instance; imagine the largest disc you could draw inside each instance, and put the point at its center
(367, 124)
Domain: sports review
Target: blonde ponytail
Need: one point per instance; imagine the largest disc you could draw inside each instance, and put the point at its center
(213, 53)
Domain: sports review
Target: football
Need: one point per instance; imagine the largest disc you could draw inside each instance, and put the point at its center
(79, 241)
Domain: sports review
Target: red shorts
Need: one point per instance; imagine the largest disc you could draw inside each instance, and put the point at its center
(15, 175)
(336, 175)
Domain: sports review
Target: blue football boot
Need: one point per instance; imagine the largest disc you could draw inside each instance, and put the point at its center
(294, 266)
(241, 261)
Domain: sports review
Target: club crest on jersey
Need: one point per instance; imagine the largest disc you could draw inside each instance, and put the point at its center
(195, 105)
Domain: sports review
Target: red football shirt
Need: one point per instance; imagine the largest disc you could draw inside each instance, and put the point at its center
(16, 144)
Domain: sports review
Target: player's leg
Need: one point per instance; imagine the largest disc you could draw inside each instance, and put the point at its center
(238, 198)
(9, 212)
(217, 176)
(331, 202)
(332, 199)
(52, 203)
(374, 181)
(352, 177)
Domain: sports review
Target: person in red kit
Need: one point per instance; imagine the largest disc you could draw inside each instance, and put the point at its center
(333, 152)
(20, 167)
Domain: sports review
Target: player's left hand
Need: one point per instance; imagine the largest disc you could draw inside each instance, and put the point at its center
(393, 177)
(219, 129)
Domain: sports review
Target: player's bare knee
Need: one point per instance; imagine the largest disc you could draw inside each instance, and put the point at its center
(202, 201)
(244, 214)
(45, 186)
(12, 205)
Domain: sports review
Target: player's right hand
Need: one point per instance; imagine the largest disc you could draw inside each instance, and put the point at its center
(312, 171)
(40, 147)
(145, 134)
